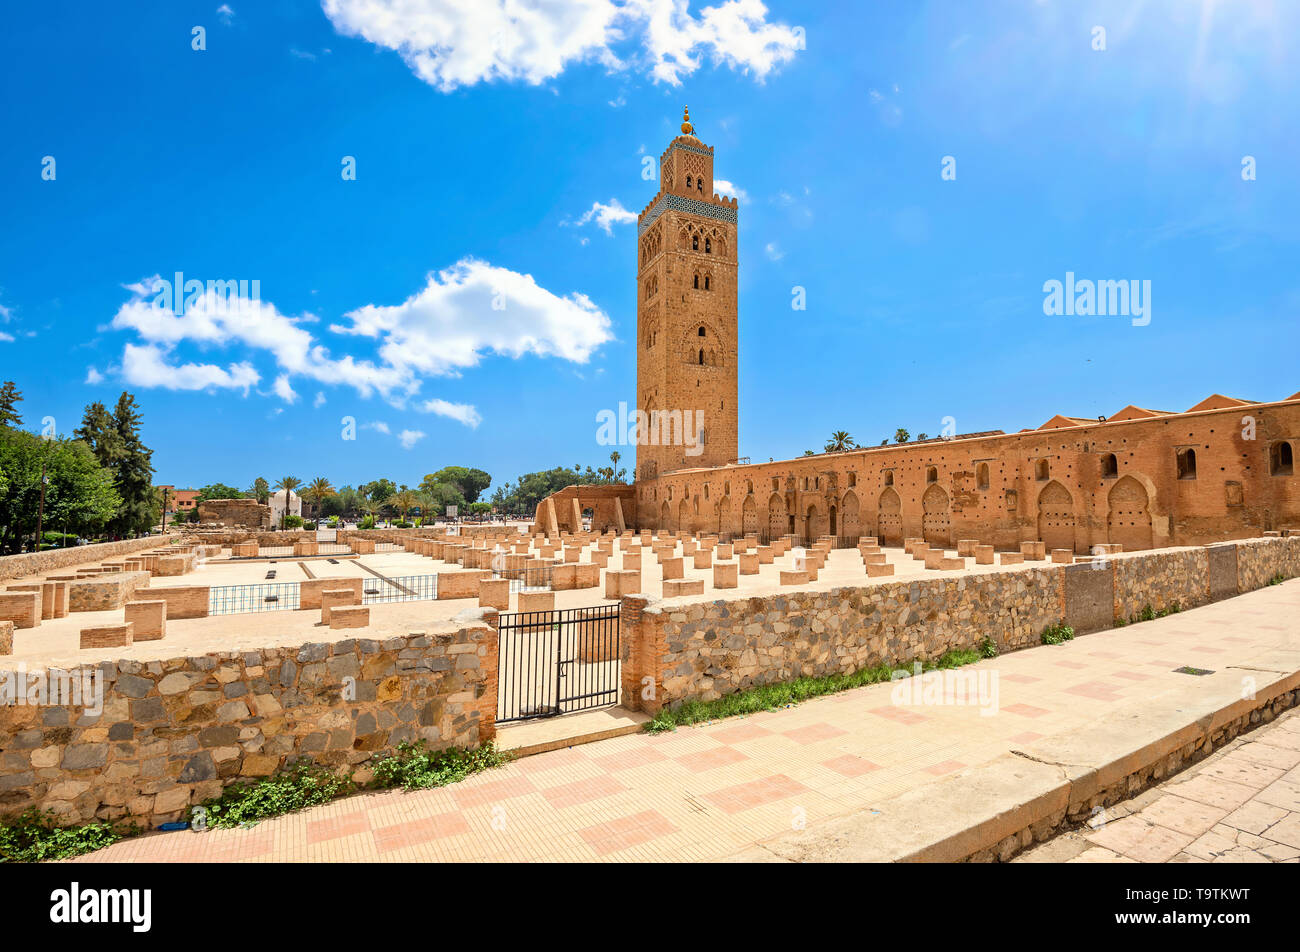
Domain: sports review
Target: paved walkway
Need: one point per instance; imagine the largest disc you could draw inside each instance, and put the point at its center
(1239, 805)
(707, 792)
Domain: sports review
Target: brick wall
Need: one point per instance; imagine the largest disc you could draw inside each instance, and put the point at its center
(175, 731)
(106, 591)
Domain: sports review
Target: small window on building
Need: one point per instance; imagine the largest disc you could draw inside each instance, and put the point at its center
(706, 282)
(708, 246)
(1109, 466)
(695, 242)
(699, 185)
(1041, 470)
(701, 330)
(697, 282)
(776, 483)
(853, 480)
(1280, 459)
(982, 476)
(701, 357)
(1187, 464)
(688, 181)
(889, 477)
(931, 474)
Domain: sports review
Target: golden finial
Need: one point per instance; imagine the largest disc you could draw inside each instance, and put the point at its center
(686, 122)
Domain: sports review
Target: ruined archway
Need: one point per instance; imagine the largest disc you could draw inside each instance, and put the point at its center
(936, 517)
(851, 516)
(776, 516)
(891, 517)
(749, 516)
(666, 517)
(1056, 517)
(1129, 519)
(684, 523)
(814, 524)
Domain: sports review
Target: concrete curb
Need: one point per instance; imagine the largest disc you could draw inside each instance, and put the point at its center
(993, 811)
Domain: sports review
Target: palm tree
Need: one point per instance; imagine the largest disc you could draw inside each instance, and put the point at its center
(614, 457)
(288, 484)
(316, 492)
(404, 500)
(901, 435)
(839, 442)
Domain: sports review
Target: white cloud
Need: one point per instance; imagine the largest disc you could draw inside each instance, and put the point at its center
(284, 390)
(378, 426)
(320, 399)
(93, 376)
(605, 216)
(463, 412)
(472, 309)
(409, 438)
(7, 338)
(147, 366)
(453, 43)
(226, 14)
(730, 189)
(462, 314)
(773, 251)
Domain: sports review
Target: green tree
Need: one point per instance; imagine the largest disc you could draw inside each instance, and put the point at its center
(470, 482)
(114, 439)
(901, 435)
(260, 490)
(219, 491)
(79, 495)
(378, 490)
(10, 397)
(839, 442)
(317, 491)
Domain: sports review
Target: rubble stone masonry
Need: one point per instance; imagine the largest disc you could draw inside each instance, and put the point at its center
(175, 731)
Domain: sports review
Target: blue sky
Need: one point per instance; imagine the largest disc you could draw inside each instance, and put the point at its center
(480, 142)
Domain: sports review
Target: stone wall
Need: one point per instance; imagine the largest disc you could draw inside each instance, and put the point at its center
(1260, 560)
(1161, 580)
(704, 650)
(39, 563)
(175, 731)
(103, 592)
(700, 650)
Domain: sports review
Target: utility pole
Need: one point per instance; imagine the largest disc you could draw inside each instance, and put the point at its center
(40, 510)
(164, 517)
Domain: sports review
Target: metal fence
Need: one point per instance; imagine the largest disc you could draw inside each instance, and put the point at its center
(404, 588)
(528, 579)
(557, 662)
(389, 547)
(274, 551)
(261, 597)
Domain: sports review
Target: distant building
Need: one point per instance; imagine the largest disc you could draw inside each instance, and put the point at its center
(183, 501)
(282, 502)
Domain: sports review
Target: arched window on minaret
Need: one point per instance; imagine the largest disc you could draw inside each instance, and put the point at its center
(706, 282)
(699, 185)
(708, 246)
(688, 181)
(701, 356)
(697, 282)
(695, 242)
(701, 330)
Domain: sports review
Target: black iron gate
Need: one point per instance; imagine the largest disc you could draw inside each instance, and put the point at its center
(557, 662)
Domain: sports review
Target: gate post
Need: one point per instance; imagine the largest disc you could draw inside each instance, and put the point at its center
(641, 648)
(488, 661)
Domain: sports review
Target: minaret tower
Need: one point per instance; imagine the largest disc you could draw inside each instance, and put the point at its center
(687, 318)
